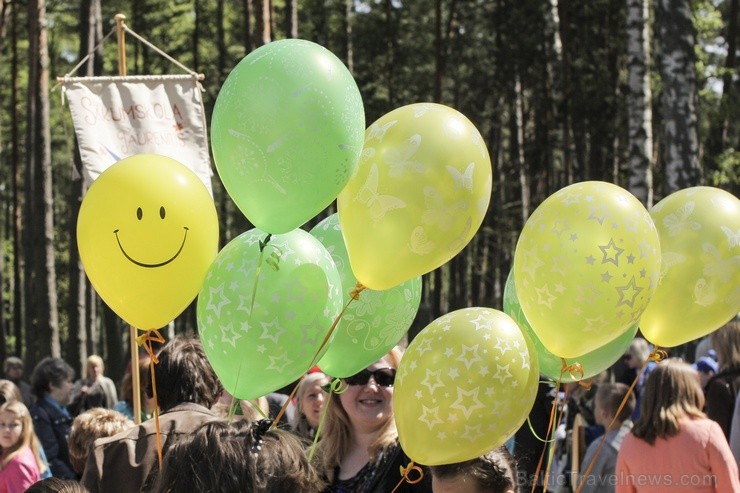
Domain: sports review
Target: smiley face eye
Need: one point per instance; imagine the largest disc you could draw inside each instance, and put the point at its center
(161, 212)
(139, 213)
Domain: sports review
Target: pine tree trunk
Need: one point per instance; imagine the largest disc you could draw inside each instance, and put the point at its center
(639, 102)
(41, 299)
(680, 134)
(291, 18)
(349, 46)
(17, 211)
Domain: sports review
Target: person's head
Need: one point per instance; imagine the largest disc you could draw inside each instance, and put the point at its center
(16, 432)
(494, 472)
(13, 368)
(365, 407)
(127, 384)
(672, 392)
(94, 367)
(726, 341)
(238, 456)
(53, 376)
(706, 367)
(637, 353)
(609, 397)
(310, 397)
(95, 423)
(57, 485)
(184, 374)
(9, 392)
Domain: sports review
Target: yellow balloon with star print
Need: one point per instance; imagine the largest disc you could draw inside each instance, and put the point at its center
(465, 384)
(586, 265)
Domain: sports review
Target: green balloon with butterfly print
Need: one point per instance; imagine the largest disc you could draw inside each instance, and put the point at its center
(420, 193)
(374, 322)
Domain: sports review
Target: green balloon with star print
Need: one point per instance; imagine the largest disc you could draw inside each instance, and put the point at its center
(265, 308)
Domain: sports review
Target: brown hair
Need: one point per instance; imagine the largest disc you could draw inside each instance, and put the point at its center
(672, 392)
(239, 456)
(95, 423)
(28, 437)
(611, 395)
(57, 485)
(184, 374)
(726, 341)
(494, 472)
(335, 438)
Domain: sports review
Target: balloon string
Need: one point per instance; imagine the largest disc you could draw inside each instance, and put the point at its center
(262, 245)
(555, 418)
(406, 472)
(657, 355)
(335, 387)
(354, 295)
(146, 340)
(547, 434)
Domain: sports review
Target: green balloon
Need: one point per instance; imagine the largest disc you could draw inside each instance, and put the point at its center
(592, 363)
(287, 131)
(265, 309)
(374, 323)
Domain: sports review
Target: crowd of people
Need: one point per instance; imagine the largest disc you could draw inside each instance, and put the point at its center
(673, 431)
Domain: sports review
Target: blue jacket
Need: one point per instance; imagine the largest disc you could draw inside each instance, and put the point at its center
(52, 428)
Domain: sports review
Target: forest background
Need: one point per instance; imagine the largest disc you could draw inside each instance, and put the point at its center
(640, 93)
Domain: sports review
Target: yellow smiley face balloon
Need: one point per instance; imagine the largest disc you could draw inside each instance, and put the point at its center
(147, 233)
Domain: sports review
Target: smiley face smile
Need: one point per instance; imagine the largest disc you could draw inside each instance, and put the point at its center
(160, 264)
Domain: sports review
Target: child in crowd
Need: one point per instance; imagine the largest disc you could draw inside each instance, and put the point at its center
(20, 460)
(96, 423)
(494, 472)
(238, 456)
(609, 397)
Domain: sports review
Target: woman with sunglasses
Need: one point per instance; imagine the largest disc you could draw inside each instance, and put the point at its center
(359, 450)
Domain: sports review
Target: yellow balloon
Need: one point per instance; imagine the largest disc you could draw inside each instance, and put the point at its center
(699, 288)
(147, 233)
(585, 267)
(464, 386)
(419, 194)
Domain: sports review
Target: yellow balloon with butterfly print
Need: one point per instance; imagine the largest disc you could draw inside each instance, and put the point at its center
(699, 287)
(420, 193)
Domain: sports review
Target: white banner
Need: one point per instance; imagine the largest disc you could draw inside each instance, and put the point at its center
(117, 117)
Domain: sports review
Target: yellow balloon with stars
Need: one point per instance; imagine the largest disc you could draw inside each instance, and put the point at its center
(464, 386)
(586, 266)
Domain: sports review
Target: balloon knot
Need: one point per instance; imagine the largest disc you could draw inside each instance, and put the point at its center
(658, 355)
(355, 293)
(336, 386)
(146, 340)
(408, 470)
(576, 372)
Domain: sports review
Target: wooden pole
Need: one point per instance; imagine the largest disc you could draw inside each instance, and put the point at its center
(135, 377)
(120, 20)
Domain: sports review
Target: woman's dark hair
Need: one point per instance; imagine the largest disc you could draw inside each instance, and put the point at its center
(50, 371)
(494, 472)
(183, 374)
(240, 456)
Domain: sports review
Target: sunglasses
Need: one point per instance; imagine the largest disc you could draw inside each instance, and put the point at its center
(382, 376)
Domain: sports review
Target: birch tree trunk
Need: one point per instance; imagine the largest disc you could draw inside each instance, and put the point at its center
(639, 98)
(680, 134)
